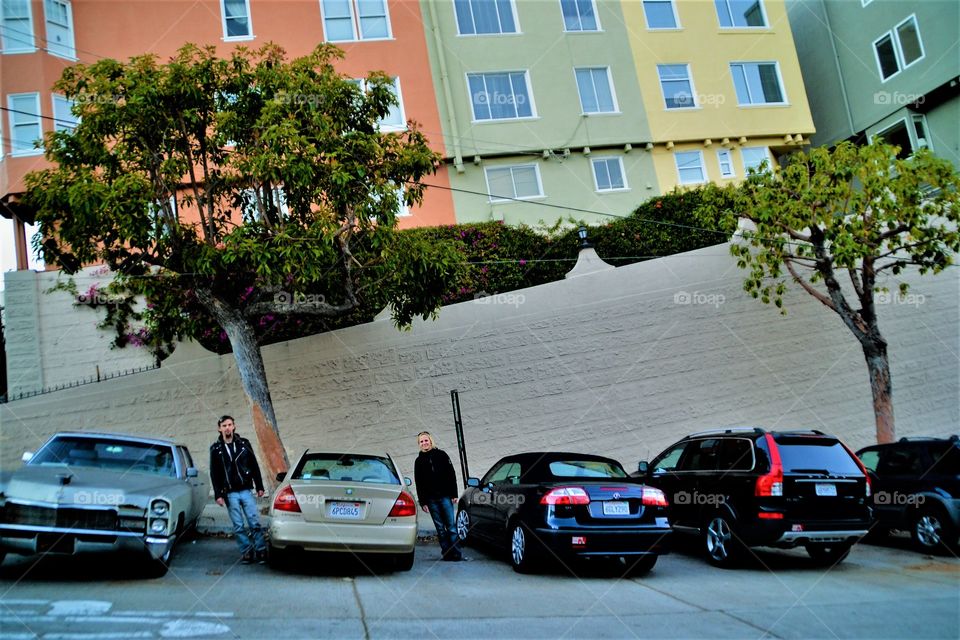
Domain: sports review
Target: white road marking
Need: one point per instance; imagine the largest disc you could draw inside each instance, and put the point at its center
(96, 636)
(79, 607)
(191, 628)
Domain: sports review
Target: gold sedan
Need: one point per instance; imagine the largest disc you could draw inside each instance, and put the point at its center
(347, 502)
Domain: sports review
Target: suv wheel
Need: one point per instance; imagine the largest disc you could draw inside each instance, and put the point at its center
(930, 530)
(828, 554)
(721, 543)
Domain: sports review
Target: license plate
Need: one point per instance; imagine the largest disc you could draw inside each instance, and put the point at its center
(826, 489)
(345, 510)
(616, 509)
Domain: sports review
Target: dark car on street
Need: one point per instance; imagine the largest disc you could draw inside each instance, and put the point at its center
(554, 507)
(916, 488)
(744, 487)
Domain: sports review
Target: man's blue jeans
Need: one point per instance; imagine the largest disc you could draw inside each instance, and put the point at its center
(242, 504)
(443, 519)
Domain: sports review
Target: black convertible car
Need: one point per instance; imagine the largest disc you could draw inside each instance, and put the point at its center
(555, 506)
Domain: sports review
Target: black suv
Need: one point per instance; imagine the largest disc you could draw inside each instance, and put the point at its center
(744, 487)
(916, 484)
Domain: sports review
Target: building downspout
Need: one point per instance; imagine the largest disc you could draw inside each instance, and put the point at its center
(445, 83)
(836, 62)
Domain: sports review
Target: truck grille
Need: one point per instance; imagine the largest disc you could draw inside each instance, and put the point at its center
(66, 518)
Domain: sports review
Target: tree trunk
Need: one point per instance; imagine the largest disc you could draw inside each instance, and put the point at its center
(253, 376)
(878, 367)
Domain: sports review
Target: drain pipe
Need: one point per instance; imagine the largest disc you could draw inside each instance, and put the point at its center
(445, 83)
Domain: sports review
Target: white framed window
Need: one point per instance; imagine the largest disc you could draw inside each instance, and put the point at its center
(737, 14)
(579, 15)
(237, 24)
(395, 120)
(753, 157)
(757, 83)
(660, 14)
(608, 174)
(16, 27)
(676, 83)
(595, 85)
(898, 48)
(63, 118)
(348, 20)
(690, 167)
(485, 17)
(251, 209)
(725, 160)
(920, 130)
(504, 95)
(59, 17)
(899, 134)
(25, 123)
(517, 182)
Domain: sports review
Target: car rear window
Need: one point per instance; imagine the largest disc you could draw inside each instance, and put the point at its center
(586, 469)
(104, 453)
(345, 468)
(799, 454)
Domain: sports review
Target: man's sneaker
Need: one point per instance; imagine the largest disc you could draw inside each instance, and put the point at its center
(247, 558)
(262, 557)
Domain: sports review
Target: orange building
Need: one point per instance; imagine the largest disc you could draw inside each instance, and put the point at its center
(39, 38)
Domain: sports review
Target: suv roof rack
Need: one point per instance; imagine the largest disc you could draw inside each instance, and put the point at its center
(953, 438)
(713, 432)
(803, 432)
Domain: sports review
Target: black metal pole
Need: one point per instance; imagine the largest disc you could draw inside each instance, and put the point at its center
(461, 443)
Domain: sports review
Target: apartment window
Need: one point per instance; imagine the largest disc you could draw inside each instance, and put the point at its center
(660, 14)
(757, 83)
(276, 205)
(596, 90)
(898, 49)
(500, 96)
(579, 15)
(740, 13)
(920, 129)
(690, 167)
(899, 134)
(346, 20)
(515, 182)
(60, 28)
(25, 127)
(608, 174)
(395, 119)
(63, 118)
(236, 19)
(725, 160)
(16, 27)
(677, 86)
(478, 17)
(753, 157)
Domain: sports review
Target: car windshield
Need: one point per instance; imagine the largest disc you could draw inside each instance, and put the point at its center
(586, 469)
(107, 453)
(807, 454)
(345, 468)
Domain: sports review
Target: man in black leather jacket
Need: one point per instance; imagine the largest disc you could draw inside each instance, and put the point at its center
(437, 492)
(235, 474)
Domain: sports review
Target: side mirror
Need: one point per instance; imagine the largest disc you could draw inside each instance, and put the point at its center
(407, 481)
(192, 472)
(27, 456)
(642, 467)
(281, 476)
(473, 482)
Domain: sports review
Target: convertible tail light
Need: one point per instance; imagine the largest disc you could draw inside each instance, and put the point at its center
(565, 496)
(653, 497)
(286, 500)
(404, 506)
(771, 483)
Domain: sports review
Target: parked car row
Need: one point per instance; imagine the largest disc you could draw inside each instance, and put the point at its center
(731, 489)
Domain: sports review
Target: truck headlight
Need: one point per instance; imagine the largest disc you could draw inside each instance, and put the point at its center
(160, 507)
(158, 525)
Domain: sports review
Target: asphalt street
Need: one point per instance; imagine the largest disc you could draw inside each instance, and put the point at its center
(878, 592)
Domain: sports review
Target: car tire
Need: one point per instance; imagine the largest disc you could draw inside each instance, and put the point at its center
(828, 554)
(638, 567)
(523, 551)
(931, 530)
(463, 526)
(720, 542)
(278, 558)
(404, 561)
(157, 567)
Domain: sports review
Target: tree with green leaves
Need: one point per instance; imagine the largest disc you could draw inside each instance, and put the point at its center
(236, 191)
(856, 213)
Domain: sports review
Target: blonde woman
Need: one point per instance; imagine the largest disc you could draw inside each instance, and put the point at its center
(437, 493)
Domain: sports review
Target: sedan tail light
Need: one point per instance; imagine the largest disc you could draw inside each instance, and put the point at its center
(653, 497)
(286, 500)
(404, 506)
(565, 496)
(771, 483)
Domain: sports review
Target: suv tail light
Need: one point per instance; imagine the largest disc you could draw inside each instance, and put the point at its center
(404, 506)
(286, 500)
(565, 496)
(653, 497)
(771, 483)
(866, 474)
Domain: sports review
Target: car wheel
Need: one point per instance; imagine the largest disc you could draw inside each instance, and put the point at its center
(277, 558)
(158, 567)
(522, 549)
(931, 531)
(828, 554)
(404, 561)
(463, 525)
(641, 566)
(721, 543)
